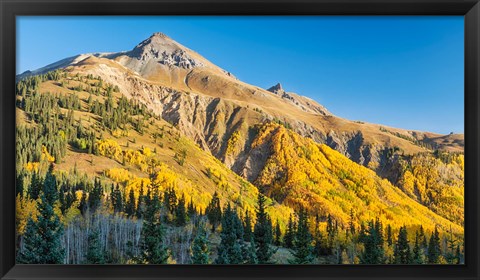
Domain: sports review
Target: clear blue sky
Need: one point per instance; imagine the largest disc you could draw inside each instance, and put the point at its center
(400, 71)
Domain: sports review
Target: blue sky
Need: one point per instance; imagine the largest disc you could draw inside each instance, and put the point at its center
(400, 71)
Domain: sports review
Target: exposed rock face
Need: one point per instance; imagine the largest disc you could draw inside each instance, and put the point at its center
(303, 103)
(216, 110)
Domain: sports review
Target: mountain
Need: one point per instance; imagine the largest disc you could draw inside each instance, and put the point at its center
(111, 132)
(224, 117)
(208, 104)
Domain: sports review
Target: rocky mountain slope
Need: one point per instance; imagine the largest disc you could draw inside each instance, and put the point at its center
(216, 110)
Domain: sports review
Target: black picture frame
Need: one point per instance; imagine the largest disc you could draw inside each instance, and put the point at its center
(9, 9)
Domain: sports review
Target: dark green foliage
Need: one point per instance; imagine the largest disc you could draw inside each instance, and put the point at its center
(130, 205)
(418, 251)
(229, 250)
(263, 233)
(170, 200)
(42, 238)
(200, 249)
(191, 210)
(214, 211)
(152, 249)
(35, 186)
(303, 249)
(180, 213)
(289, 233)
(372, 241)
(434, 251)
(94, 250)
(278, 234)
(95, 196)
(402, 253)
(19, 184)
(140, 204)
(117, 200)
(389, 236)
(247, 227)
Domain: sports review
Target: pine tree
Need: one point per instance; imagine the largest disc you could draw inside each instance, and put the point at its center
(42, 238)
(94, 252)
(371, 239)
(278, 234)
(402, 254)
(418, 254)
(130, 204)
(263, 233)
(180, 213)
(19, 185)
(250, 252)
(434, 247)
(289, 233)
(200, 249)
(214, 211)
(35, 186)
(352, 225)
(117, 200)
(140, 204)
(95, 196)
(152, 249)
(389, 236)
(229, 250)
(191, 211)
(247, 227)
(170, 200)
(303, 241)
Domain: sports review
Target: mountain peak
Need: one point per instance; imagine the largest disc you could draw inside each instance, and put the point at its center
(159, 35)
(276, 89)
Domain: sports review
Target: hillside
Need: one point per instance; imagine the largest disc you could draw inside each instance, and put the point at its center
(208, 104)
(160, 123)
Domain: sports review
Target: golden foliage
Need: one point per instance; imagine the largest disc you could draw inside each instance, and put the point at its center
(25, 208)
(300, 172)
(109, 148)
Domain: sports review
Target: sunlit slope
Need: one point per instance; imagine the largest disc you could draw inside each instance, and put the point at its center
(298, 171)
(129, 156)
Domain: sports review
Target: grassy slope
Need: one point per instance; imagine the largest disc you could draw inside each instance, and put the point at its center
(311, 174)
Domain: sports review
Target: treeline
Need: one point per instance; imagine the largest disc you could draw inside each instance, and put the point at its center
(78, 221)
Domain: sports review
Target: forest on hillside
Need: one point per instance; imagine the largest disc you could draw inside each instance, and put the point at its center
(139, 196)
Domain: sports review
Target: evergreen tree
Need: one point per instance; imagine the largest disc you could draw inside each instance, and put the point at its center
(191, 211)
(289, 233)
(434, 247)
(247, 227)
(389, 236)
(200, 249)
(180, 213)
(42, 238)
(95, 196)
(402, 254)
(278, 234)
(418, 254)
(170, 200)
(94, 252)
(117, 200)
(214, 211)
(422, 238)
(19, 184)
(373, 252)
(229, 250)
(130, 205)
(35, 186)
(250, 252)
(152, 249)
(303, 241)
(83, 205)
(140, 204)
(263, 233)
(352, 225)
